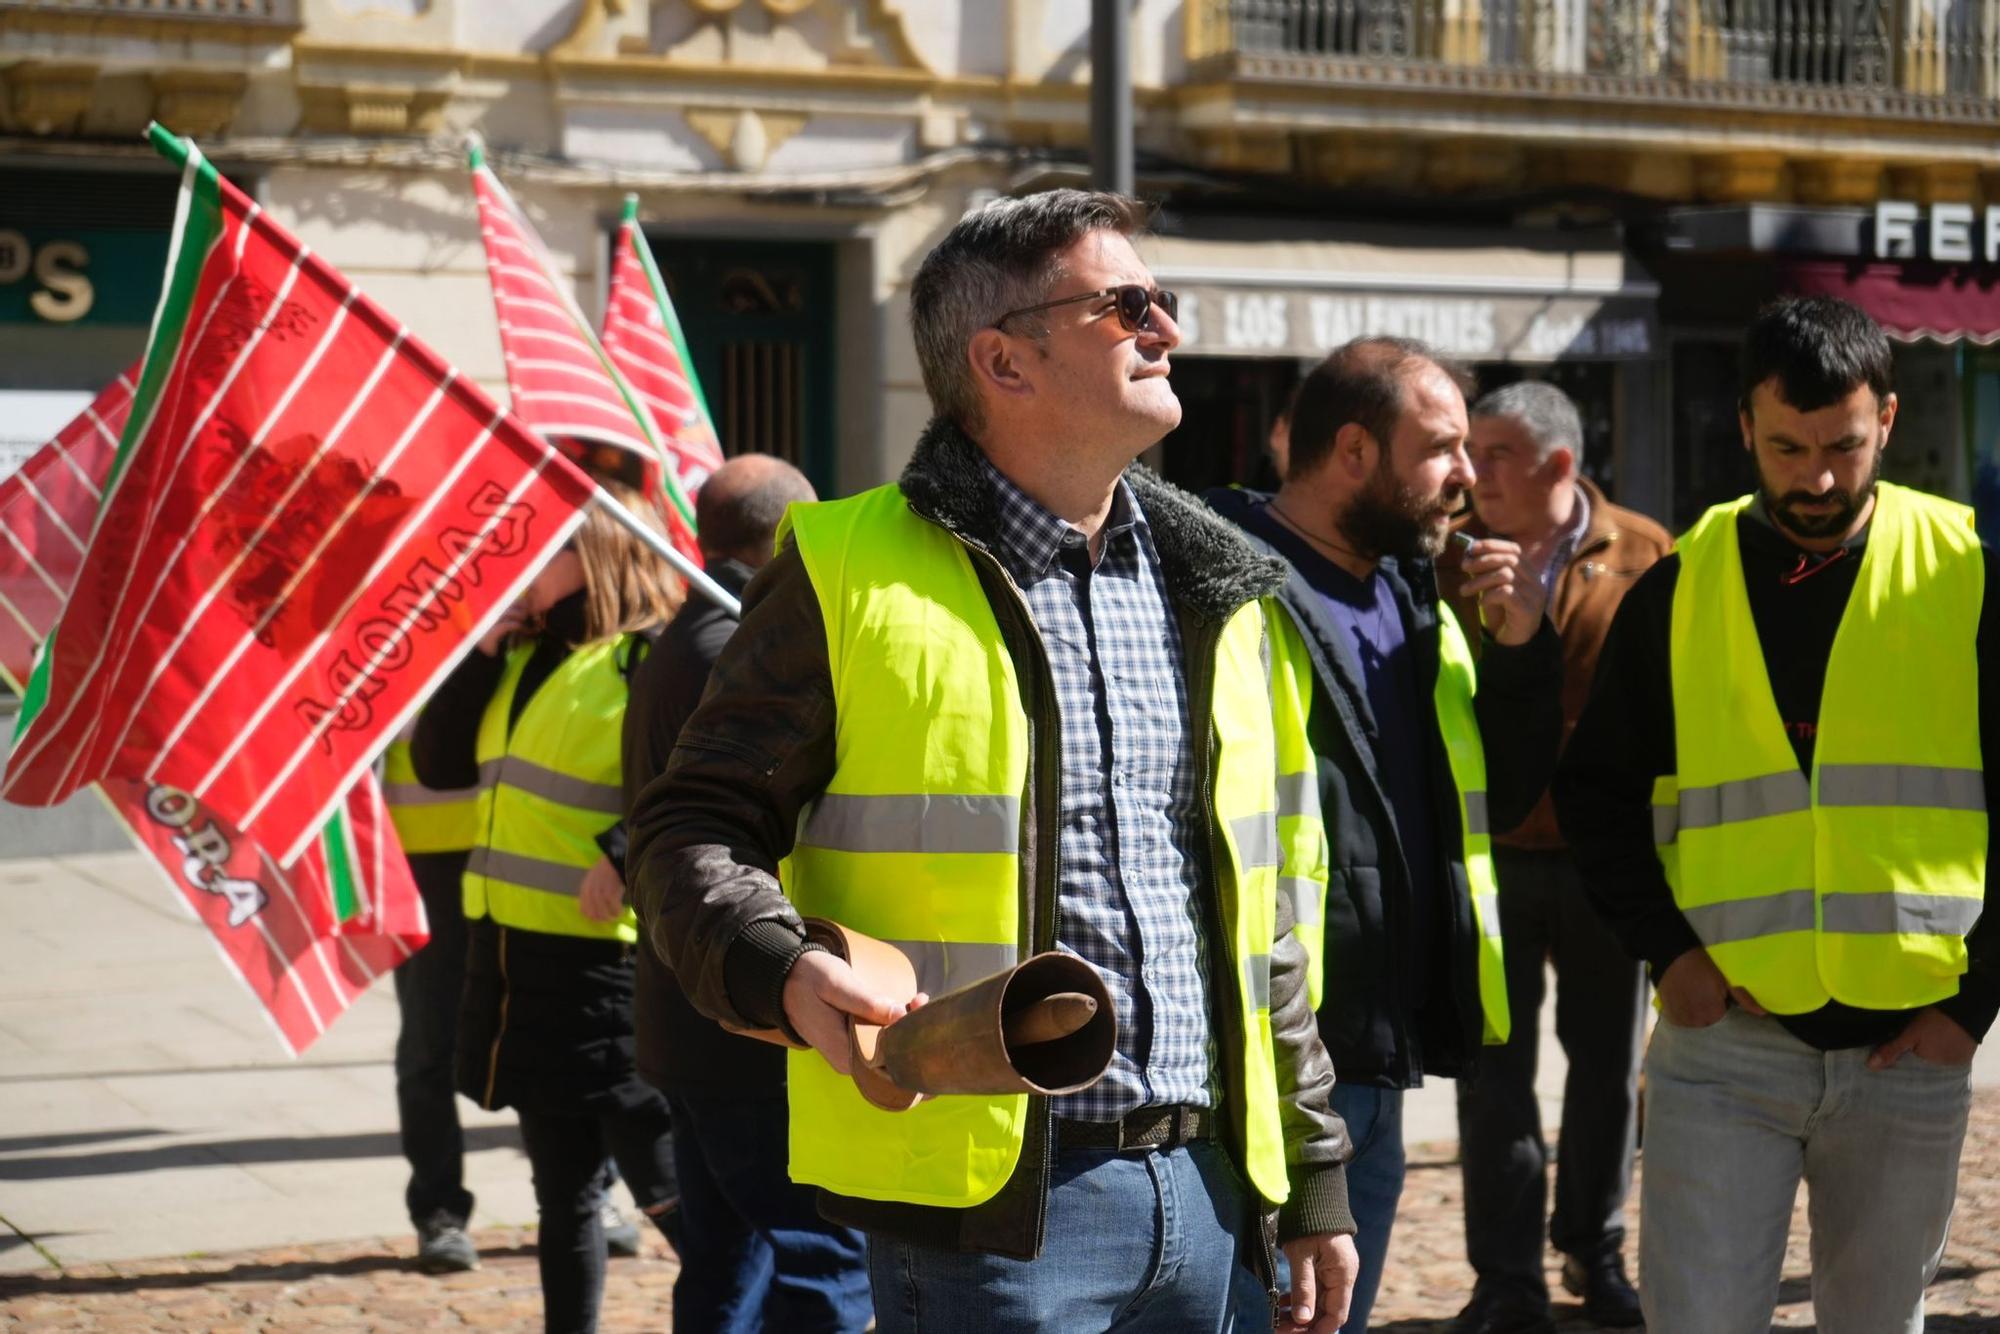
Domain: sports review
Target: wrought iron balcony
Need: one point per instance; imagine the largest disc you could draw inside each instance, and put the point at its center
(1924, 57)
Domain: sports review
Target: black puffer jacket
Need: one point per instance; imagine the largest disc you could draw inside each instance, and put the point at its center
(1375, 1032)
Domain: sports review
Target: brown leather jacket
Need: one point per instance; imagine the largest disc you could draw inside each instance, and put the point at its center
(707, 835)
(1618, 546)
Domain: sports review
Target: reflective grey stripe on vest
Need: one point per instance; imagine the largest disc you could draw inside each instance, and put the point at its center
(1887, 913)
(1256, 838)
(1489, 914)
(562, 789)
(1894, 913)
(1257, 981)
(518, 869)
(1307, 897)
(945, 966)
(1475, 814)
(1744, 799)
(1666, 824)
(1749, 919)
(920, 822)
(1298, 794)
(1921, 785)
(416, 794)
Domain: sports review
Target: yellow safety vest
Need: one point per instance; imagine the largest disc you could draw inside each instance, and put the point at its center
(1457, 682)
(1860, 882)
(426, 820)
(547, 791)
(916, 840)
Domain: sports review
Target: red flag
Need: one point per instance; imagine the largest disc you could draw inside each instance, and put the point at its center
(643, 338)
(45, 512)
(310, 519)
(562, 381)
(305, 943)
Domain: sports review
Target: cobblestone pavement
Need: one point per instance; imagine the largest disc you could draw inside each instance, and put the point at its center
(367, 1285)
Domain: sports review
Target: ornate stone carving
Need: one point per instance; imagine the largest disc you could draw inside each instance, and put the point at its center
(363, 108)
(201, 103)
(48, 98)
(745, 138)
(587, 37)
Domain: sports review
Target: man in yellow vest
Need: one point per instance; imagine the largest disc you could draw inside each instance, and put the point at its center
(1777, 797)
(1406, 734)
(1022, 700)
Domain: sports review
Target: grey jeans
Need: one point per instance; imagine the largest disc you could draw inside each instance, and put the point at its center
(1736, 1115)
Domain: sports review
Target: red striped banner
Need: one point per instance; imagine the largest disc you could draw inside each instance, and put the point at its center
(643, 338)
(311, 517)
(281, 933)
(562, 380)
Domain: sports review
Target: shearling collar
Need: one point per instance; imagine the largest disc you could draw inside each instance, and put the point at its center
(1207, 564)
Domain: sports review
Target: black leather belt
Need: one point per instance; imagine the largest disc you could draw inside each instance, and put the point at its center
(1147, 1128)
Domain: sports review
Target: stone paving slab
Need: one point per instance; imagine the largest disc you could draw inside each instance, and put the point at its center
(367, 1285)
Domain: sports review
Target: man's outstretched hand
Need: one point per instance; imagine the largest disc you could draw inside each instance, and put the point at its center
(823, 992)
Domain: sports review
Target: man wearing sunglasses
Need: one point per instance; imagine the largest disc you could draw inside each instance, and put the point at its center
(1416, 767)
(1020, 701)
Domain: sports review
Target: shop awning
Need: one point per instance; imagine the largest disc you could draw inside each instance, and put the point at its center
(1911, 301)
(1480, 296)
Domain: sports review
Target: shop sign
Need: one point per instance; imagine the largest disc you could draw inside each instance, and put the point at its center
(1250, 322)
(1951, 234)
(110, 277)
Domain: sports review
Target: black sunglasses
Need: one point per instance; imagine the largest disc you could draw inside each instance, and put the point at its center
(1133, 303)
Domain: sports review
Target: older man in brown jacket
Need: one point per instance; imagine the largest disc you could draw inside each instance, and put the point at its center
(1526, 442)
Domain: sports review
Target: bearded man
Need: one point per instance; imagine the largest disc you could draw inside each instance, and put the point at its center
(1778, 798)
(1422, 750)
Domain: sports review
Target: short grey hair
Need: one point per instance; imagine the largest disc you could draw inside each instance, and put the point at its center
(996, 259)
(1544, 411)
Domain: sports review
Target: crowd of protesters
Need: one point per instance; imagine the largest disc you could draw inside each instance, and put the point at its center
(1322, 783)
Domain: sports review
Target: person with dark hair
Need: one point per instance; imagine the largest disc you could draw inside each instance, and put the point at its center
(1777, 797)
(1018, 702)
(755, 1254)
(1421, 752)
(1527, 448)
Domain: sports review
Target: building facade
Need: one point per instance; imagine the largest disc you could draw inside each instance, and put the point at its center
(1593, 192)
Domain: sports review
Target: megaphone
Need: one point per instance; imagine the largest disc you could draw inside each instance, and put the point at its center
(1046, 1025)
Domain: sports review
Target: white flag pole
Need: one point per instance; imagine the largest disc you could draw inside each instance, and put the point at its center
(666, 551)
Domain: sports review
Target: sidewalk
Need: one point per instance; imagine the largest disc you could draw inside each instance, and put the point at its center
(163, 1165)
(146, 1108)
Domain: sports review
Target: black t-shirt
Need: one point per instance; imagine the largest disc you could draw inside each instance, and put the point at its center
(1626, 737)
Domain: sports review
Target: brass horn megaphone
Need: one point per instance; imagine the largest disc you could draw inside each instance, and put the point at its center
(1046, 1025)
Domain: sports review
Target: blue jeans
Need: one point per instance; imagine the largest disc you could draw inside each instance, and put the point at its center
(1374, 1185)
(755, 1254)
(1135, 1242)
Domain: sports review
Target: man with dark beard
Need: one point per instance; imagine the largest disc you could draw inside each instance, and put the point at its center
(1777, 797)
(1414, 767)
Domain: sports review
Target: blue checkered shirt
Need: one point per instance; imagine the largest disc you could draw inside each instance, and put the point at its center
(1130, 850)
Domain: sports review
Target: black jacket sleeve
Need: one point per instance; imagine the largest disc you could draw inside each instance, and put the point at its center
(1978, 998)
(708, 833)
(1519, 706)
(444, 749)
(1604, 786)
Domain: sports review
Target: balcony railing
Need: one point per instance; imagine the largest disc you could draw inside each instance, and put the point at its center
(1925, 48)
(283, 13)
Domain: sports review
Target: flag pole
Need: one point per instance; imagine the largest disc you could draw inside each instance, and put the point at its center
(664, 549)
